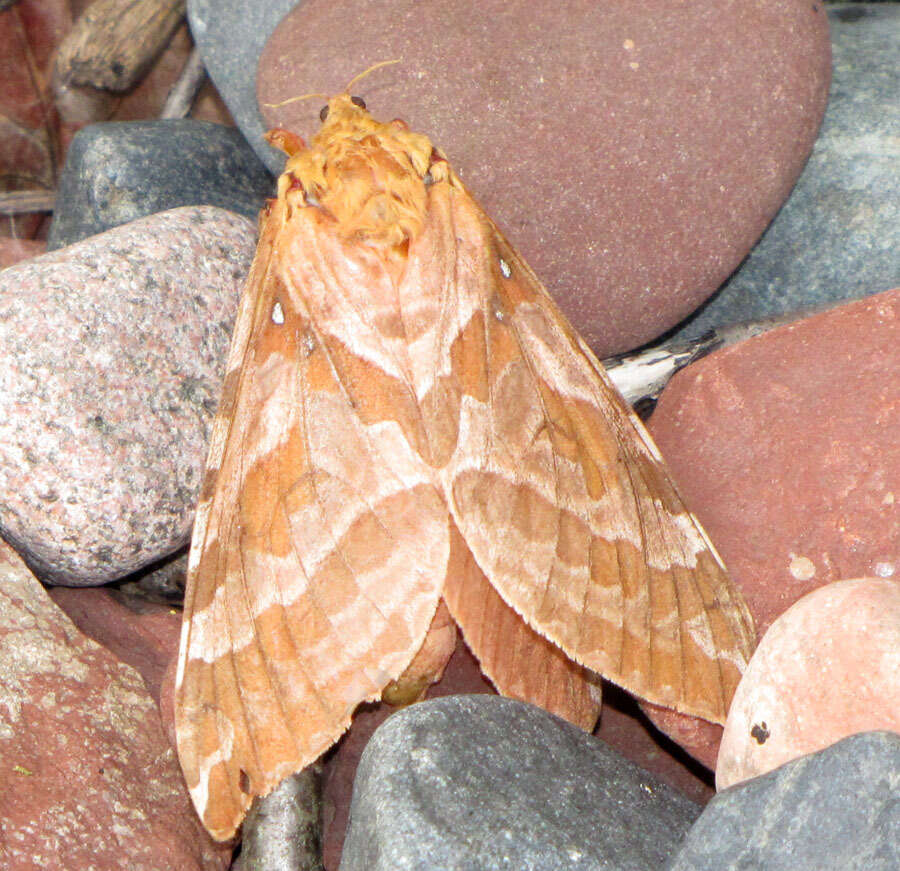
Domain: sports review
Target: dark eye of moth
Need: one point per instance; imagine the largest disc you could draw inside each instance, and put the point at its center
(323, 113)
(358, 101)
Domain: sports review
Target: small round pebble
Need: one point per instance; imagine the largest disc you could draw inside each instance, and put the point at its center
(827, 668)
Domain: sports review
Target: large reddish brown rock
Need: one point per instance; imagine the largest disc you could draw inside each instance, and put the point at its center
(90, 780)
(827, 668)
(633, 151)
(786, 448)
(140, 633)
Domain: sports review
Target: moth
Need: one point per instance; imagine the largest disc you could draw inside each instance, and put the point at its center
(408, 421)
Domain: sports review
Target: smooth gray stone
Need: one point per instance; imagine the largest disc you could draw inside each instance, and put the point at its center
(835, 810)
(118, 171)
(282, 830)
(477, 783)
(231, 35)
(838, 235)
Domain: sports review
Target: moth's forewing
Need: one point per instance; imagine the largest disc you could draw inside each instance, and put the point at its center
(320, 542)
(560, 493)
(406, 412)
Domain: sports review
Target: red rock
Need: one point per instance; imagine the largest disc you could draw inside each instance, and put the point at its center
(827, 668)
(89, 778)
(167, 699)
(140, 633)
(632, 151)
(785, 446)
(112, 353)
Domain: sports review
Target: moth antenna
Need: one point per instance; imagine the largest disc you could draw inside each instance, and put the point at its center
(350, 84)
(371, 69)
(295, 100)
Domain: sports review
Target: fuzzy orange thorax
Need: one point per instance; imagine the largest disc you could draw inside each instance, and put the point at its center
(368, 175)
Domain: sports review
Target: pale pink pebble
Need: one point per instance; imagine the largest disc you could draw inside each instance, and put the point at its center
(827, 668)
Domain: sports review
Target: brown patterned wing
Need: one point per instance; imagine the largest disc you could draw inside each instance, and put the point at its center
(561, 495)
(320, 542)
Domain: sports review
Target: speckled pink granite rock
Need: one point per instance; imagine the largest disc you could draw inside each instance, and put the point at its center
(111, 358)
(89, 779)
(827, 668)
(786, 448)
(633, 151)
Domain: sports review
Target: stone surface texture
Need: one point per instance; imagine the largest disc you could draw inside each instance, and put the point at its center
(120, 171)
(785, 447)
(827, 668)
(111, 358)
(835, 810)
(141, 634)
(632, 151)
(621, 726)
(489, 783)
(838, 235)
(89, 779)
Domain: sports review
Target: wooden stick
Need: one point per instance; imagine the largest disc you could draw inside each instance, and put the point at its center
(640, 376)
(23, 202)
(115, 42)
(184, 91)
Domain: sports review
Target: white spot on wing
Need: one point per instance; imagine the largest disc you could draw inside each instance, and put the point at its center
(504, 268)
(277, 313)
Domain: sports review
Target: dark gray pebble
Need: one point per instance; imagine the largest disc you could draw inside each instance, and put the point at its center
(482, 782)
(230, 35)
(123, 170)
(835, 810)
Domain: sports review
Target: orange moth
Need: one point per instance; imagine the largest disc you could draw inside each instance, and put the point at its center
(409, 420)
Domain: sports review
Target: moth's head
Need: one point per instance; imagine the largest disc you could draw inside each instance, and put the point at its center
(343, 107)
(369, 176)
